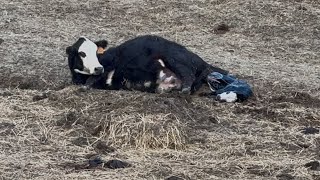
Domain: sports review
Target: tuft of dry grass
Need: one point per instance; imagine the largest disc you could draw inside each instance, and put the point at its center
(146, 131)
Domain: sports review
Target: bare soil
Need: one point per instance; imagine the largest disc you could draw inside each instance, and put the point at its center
(50, 129)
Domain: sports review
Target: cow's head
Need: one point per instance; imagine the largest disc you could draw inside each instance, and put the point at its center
(82, 57)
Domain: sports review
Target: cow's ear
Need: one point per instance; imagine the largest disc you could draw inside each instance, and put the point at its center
(102, 43)
(69, 50)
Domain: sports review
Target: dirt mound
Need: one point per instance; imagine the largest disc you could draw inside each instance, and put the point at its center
(299, 98)
(32, 82)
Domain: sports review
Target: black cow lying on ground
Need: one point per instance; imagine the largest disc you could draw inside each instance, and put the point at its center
(146, 63)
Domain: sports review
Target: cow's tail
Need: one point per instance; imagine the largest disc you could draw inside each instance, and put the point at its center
(210, 68)
(202, 77)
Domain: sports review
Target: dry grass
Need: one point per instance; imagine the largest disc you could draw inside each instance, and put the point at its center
(48, 126)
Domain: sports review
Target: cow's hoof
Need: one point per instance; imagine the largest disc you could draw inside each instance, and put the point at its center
(186, 90)
(84, 88)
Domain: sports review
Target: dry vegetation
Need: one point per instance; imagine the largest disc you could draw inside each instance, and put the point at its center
(48, 127)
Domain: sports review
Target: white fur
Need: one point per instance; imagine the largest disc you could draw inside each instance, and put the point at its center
(147, 84)
(90, 62)
(161, 62)
(228, 97)
(81, 72)
(109, 78)
(168, 79)
(162, 75)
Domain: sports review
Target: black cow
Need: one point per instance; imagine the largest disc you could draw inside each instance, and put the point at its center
(146, 63)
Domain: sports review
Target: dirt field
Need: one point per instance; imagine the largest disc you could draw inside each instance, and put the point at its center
(50, 129)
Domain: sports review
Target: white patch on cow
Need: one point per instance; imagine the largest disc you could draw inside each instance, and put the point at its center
(81, 72)
(169, 79)
(90, 61)
(147, 84)
(165, 87)
(109, 78)
(162, 75)
(227, 97)
(161, 63)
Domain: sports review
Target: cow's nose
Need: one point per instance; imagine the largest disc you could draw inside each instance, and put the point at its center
(98, 70)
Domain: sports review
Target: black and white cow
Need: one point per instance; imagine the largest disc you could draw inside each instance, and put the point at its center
(83, 61)
(146, 63)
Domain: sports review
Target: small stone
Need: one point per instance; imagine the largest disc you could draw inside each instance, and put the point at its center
(221, 28)
(40, 97)
(95, 161)
(116, 164)
(284, 176)
(313, 165)
(310, 130)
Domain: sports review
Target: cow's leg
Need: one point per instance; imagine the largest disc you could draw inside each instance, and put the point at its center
(79, 78)
(201, 78)
(95, 82)
(211, 69)
(186, 76)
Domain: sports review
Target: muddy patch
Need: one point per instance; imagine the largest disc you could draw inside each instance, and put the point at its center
(299, 98)
(33, 82)
(6, 128)
(262, 113)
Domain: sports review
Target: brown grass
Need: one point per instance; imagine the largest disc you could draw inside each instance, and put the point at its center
(48, 127)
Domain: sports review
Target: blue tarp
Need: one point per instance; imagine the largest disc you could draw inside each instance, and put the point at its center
(228, 88)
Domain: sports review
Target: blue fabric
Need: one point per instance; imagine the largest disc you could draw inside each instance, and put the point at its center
(220, 83)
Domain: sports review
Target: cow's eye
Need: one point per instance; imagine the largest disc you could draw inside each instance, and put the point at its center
(82, 54)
